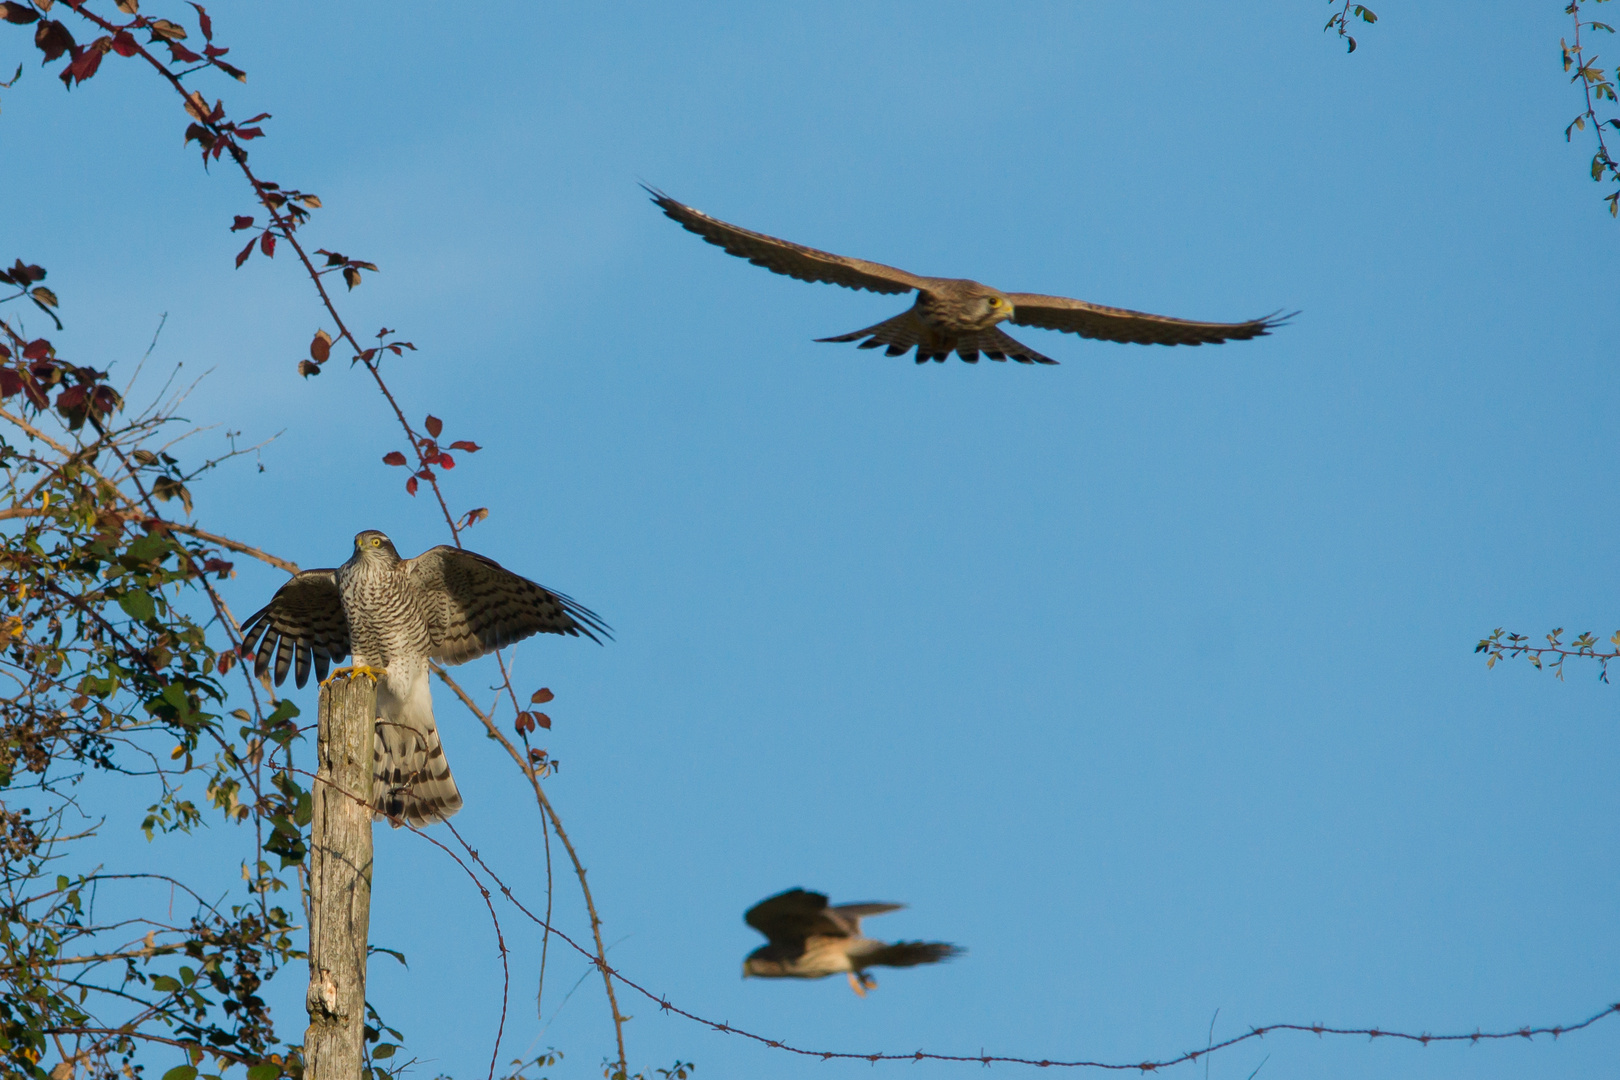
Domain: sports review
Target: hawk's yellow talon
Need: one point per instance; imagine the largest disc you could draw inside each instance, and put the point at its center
(372, 673)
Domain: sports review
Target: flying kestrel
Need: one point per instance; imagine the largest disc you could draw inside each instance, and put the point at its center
(395, 615)
(809, 940)
(955, 313)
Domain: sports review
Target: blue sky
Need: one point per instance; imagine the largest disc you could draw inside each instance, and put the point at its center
(1148, 678)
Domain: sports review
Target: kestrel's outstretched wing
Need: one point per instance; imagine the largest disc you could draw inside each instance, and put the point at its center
(304, 621)
(1136, 327)
(786, 257)
(474, 605)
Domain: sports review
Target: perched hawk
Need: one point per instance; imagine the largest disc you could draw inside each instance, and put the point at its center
(395, 615)
(809, 940)
(954, 313)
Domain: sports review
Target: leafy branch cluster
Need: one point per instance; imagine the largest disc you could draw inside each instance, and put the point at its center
(1340, 21)
(106, 668)
(1597, 88)
(1551, 656)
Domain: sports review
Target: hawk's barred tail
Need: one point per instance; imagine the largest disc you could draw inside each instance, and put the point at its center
(412, 780)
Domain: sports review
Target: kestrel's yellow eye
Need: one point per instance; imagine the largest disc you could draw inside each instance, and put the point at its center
(995, 301)
(376, 541)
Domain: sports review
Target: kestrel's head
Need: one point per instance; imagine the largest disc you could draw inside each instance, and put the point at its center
(986, 306)
(374, 545)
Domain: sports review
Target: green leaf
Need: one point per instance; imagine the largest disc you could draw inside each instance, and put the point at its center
(168, 986)
(138, 605)
(383, 1050)
(267, 1071)
(181, 1072)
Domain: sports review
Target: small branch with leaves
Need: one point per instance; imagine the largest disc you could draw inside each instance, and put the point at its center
(1500, 645)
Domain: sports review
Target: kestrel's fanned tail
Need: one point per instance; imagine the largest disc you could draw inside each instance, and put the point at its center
(412, 780)
(906, 330)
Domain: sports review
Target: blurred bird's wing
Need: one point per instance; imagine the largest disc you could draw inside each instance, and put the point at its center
(792, 916)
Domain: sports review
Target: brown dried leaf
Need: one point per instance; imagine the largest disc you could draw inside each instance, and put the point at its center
(541, 696)
(320, 350)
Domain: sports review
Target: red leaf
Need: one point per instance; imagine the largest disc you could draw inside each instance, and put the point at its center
(434, 425)
(473, 517)
(249, 133)
(20, 14)
(212, 51)
(37, 349)
(180, 54)
(267, 243)
(84, 65)
(241, 221)
(426, 474)
(10, 382)
(368, 354)
(446, 461)
(541, 696)
(71, 398)
(5, 352)
(124, 44)
(463, 444)
(543, 720)
(524, 723)
(205, 22)
(393, 457)
(243, 256)
(410, 486)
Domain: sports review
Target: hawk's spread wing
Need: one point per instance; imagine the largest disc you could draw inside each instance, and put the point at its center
(786, 257)
(303, 621)
(474, 605)
(1137, 327)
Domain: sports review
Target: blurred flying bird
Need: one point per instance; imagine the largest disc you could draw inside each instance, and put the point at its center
(810, 940)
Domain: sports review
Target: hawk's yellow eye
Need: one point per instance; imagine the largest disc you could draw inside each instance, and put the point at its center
(995, 301)
(376, 541)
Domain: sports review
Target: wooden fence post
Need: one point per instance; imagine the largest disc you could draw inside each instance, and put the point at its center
(340, 881)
